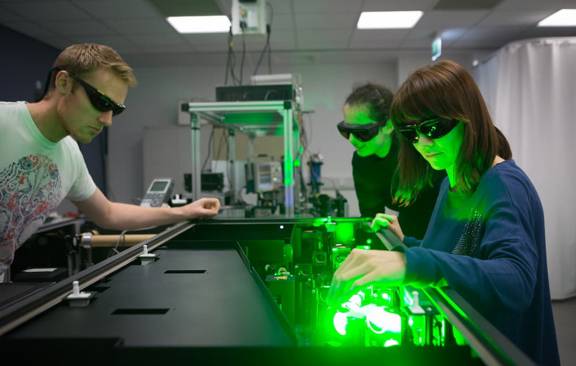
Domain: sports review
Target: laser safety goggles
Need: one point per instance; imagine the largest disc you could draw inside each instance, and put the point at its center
(99, 100)
(361, 132)
(432, 128)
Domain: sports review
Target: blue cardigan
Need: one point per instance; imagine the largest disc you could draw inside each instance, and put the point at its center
(490, 247)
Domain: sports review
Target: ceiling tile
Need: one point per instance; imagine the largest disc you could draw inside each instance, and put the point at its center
(140, 26)
(494, 37)
(212, 42)
(322, 21)
(385, 38)
(466, 5)
(46, 10)
(323, 39)
(416, 44)
(439, 20)
(112, 9)
(327, 25)
(374, 35)
(492, 32)
(327, 6)
(418, 39)
(282, 34)
(280, 6)
(204, 38)
(164, 48)
(507, 17)
(215, 47)
(156, 40)
(78, 28)
(282, 21)
(396, 5)
(286, 45)
(518, 5)
(119, 43)
(58, 42)
(30, 29)
(538, 32)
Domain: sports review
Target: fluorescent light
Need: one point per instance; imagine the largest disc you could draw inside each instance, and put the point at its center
(561, 18)
(200, 24)
(388, 19)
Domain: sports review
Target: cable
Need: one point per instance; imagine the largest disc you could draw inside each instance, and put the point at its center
(269, 30)
(264, 49)
(267, 46)
(231, 60)
(269, 59)
(121, 237)
(229, 44)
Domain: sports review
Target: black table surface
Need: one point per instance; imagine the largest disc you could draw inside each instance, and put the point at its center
(187, 298)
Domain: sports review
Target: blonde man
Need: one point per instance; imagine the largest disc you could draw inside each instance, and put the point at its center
(41, 163)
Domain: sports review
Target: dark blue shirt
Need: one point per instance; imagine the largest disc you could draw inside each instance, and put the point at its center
(490, 247)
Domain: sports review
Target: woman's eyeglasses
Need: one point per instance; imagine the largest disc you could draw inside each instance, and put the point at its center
(100, 101)
(432, 128)
(361, 132)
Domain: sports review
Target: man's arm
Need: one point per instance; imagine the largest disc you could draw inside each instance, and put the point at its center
(122, 216)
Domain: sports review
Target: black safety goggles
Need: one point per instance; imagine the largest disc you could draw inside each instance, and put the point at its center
(432, 128)
(361, 132)
(99, 100)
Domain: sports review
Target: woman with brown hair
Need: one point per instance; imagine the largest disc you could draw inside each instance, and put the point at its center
(485, 238)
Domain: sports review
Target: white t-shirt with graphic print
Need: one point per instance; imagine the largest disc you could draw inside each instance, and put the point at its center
(36, 174)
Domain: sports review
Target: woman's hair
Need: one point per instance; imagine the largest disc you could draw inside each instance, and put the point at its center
(445, 89)
(81, 59)
(376, 97)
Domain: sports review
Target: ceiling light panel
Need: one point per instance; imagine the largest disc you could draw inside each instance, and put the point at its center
(561, 18)
(200, 24)
(388, 19)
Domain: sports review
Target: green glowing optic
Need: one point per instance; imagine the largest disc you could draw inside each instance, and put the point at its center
(377, 319)
(390, 343)
(344, 232)
(386, 296)
(340, 322)
(380, 321)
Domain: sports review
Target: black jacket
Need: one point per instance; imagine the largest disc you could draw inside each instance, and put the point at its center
(373, 180)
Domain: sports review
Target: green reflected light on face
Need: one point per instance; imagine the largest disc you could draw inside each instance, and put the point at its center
(360, 115)
(442, 153)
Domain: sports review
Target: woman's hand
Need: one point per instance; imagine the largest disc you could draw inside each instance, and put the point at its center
(362, 267)
(390, 222)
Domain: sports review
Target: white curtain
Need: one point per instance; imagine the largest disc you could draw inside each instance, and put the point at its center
(530, 88)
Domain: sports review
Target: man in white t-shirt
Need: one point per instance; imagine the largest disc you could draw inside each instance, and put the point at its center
(41, 163)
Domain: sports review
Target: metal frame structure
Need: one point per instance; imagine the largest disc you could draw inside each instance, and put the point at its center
(216, 113)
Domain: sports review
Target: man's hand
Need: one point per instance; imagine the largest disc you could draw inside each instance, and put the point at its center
(362, 267)
(389, 222)
(202, 208)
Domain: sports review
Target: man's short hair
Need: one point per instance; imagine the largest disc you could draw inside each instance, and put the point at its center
(83, 58)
